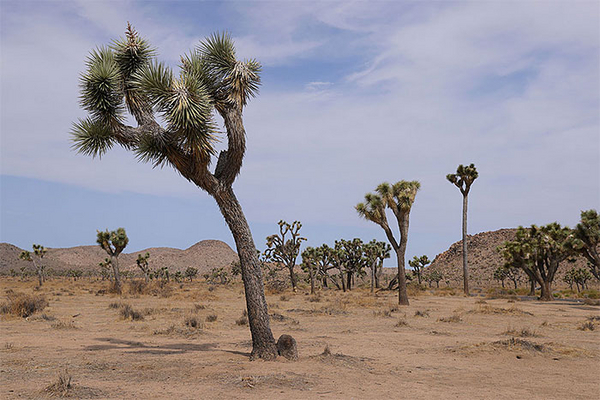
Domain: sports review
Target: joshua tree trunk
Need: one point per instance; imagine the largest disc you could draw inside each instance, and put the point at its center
(292, 277)
(464, 246)
(373, 267)
(546, 291)
(531, 287)
(343, 281)
(312, 279)
(349, 280)
(114, 261)
(400, 255)
(258, 316)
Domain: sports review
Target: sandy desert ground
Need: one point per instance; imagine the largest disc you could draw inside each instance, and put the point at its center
(440, 347)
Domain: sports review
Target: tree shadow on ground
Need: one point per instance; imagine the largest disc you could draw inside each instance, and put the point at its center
(141, 348)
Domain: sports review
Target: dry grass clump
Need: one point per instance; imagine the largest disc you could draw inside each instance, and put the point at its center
(587, 326)
(23, 305)
(453, 318)
(424, 313)
(193, 321)
(242, 321)
(211, 317)
(66, 325)
(481, 301)
(523, 332)
(487, 309)
(62, 387)
(520, 344)
(115, 305)
(137, 287)
(591, 302)
(198, 307)
(401, 323)
(284, 297)
(127, 312)
(315, 298)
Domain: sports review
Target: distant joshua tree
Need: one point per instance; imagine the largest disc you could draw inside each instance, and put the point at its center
(39, 252)
(375, 252)
(418, 264)
(175, 126)
(113, 243)
(585, 240)
(463, 179)
(399, 197)
(191, 273)
(284, 250)
(142, 263)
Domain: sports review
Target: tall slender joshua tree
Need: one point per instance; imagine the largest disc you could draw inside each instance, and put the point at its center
(399, 197)
(463, 179)
(39, 252)
(125, 77)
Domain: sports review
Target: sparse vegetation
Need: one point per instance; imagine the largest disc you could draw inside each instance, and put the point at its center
(62, 387)
(23, 305)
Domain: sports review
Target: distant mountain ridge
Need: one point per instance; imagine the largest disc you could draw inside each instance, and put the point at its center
(204, 255)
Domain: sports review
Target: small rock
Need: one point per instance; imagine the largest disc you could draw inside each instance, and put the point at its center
(287, 347)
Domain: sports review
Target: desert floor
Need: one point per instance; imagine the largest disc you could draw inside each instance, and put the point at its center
(486, 348)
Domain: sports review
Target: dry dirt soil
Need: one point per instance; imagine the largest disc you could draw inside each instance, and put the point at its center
(437, 348)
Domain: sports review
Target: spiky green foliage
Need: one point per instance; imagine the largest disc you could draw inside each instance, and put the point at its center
(25, 255)
(418, 264)
(284, 250)
(538, 251)
(142, 263)
(585, 240)
(463, 178)
(126, 77)
(113, 242)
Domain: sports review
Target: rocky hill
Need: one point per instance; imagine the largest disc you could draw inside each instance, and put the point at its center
(483, 259)
(203, 255)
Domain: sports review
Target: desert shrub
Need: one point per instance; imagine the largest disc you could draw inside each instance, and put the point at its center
(591, 302)
(137, 287)
(452, 318)
(115, 305)
(591, 293)
(284, 297)
(523, 332)
(587, 326)
(424, 313)
(193, 321)
(211, 317)
(401, 322)
(64, 325)
(276, 286)
(62, 387)
(23, 305)
(242, 321)
(382, 313)
(127, 312)
(314, 298)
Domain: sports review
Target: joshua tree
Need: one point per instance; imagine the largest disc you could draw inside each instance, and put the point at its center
(418, 264)
(585, 240)
(39, 252)
(538, 251)
(284, 251)
(142, 263)
(399, 197)
(310, 263)
(113, 243)
(463, 179)
(125, 77)
(191, 273)
(351, 256)
(105, 269)
(375, 252)
(501, 274)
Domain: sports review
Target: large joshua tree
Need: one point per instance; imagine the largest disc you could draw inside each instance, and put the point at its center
(211, 80)
(463, 179)
(399, 197)
(585, 240)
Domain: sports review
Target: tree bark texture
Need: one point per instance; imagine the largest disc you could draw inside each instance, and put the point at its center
(400, 255)
(263, 342)
(464, 246)
(114, 261)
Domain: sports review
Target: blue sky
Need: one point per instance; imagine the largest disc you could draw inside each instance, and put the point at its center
(353, 94)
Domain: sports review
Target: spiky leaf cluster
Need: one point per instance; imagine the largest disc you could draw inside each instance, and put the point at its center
(463, 178)
(125, 77)
(25, 255)
(585, 240)
(113, 242)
